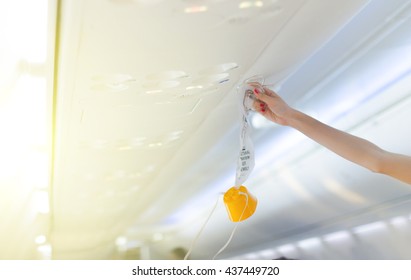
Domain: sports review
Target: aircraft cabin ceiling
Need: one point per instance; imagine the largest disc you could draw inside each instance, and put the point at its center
(121, 126)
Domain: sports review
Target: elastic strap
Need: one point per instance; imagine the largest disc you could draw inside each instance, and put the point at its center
(234, 229)
(201, 230)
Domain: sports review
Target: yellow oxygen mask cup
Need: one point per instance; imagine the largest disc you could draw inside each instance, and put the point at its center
(240, 203)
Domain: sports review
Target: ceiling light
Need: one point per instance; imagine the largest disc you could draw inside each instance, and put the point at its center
(41, 202)
(258, 4)
(155, 145)
(40, 239)
(371, 228)
(338, 236)
(195, 9)
(194, 87)
(45, 250)
(176, 133)
(121, 241)
(251, 256)
(286, 249)
(250, 4)
(309, 243)
(173, 136)
(268, 253)
(399, 222)
(245, 5)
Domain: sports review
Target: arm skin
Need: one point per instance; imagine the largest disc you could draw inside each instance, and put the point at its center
(350, 147)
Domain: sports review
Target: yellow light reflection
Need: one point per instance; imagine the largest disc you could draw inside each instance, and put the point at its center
(41, 239)
(296, 186)
(25, 124)
(41, 202)
(27, 29)
(343, 192)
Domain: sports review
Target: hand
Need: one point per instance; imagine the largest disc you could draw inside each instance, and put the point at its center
(270, 105)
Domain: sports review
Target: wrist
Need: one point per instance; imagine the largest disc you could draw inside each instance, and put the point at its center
(293, 118)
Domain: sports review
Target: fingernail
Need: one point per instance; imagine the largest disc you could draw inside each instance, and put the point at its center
(257, 91)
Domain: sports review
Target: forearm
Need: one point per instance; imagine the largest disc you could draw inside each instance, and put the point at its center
(352, 148)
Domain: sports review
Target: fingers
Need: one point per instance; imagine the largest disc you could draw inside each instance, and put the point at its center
(260, 90)
(260, 106)
(265, 99)
(261, 94)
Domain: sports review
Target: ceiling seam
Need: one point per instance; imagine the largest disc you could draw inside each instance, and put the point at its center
(54, 114)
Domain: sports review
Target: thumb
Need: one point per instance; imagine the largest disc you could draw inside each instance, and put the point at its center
(261, 95)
